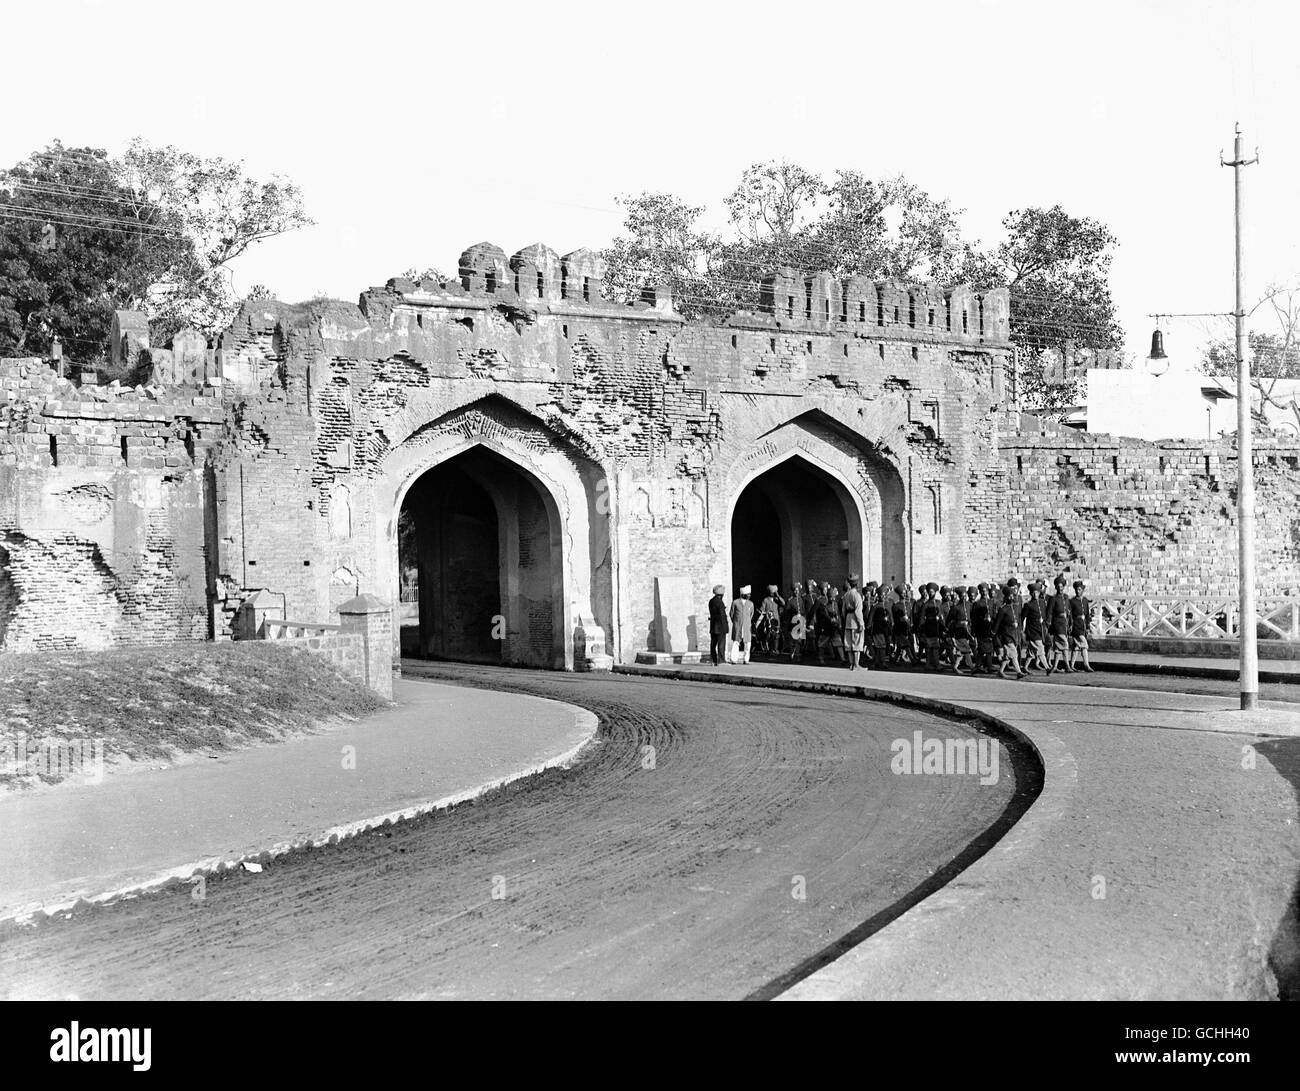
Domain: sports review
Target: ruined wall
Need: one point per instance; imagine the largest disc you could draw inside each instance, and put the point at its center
(657, 425)
(278, 457)
(102, 499)
(1134, 517)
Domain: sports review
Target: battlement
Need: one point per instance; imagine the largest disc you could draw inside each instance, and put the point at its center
(536, 278)
(851, 424)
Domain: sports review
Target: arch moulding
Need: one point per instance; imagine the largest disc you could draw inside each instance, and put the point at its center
(565, 479)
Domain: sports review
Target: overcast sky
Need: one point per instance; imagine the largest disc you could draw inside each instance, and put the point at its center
(418, 129)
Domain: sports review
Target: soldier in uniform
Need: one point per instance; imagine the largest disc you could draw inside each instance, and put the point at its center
(854, 623)
(981, 624)
(959, 632)
(932, 626)
(771, 610)
(1032, 623)
(1057, 609)
(1007, 633)
(881, 625)
(902, 607)
(1080, 623)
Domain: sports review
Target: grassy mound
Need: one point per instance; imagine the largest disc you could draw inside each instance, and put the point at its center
(156, 703)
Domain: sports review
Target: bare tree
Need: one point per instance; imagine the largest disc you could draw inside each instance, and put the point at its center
(1274, 352)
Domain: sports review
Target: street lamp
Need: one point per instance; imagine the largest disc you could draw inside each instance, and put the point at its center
(1157, 361)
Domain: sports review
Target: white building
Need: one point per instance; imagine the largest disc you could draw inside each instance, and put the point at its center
(1179, 402)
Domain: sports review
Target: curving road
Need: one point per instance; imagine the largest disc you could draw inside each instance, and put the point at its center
(611, 879)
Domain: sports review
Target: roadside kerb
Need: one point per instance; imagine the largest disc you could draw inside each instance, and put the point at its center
(882, 964)
(212, 865)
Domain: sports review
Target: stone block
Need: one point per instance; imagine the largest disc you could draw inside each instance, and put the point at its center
(675, 614)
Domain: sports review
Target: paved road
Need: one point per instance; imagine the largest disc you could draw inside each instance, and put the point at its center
(616, 880)
(139, 828)
(1159, 861)
(1288, 692)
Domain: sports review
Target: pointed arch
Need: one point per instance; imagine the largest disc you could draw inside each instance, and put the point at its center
(502, 447)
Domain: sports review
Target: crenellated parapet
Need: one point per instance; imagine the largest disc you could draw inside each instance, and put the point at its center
(483, 268)
(624, 451)
(538, 273)
(889, 308)
(538, 279)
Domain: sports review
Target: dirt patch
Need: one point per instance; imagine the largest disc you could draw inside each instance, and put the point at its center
(74, 715)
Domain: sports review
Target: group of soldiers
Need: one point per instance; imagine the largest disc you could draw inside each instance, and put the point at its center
(987, 628)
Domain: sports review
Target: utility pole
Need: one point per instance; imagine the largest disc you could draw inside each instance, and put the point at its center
(1245, 470)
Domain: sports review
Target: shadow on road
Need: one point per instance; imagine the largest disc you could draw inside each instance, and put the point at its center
(1284, 951)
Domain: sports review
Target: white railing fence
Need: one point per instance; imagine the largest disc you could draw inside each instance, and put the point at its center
(1193, 618)
(275, 629)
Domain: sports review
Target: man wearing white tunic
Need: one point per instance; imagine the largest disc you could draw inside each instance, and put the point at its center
(742, 614)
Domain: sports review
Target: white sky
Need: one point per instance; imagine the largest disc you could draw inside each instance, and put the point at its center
(418, 129)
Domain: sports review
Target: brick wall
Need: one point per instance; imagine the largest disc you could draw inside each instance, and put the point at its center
(625, 435)
(102, 511)
(1154, 517)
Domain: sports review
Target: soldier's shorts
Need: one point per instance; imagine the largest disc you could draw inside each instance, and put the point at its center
(1079, 643)
(853, 639)
(987, 648)
(1035, 648)
(1060, 642)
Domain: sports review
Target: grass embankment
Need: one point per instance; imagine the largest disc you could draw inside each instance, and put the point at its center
(155, 704)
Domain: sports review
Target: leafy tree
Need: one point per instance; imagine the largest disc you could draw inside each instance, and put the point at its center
(82, 235)
(1062, 314)
(1058, 269)
(664, 248)
(891, 228)
(769, 205)
(783, 215)
(222, 213)
(1056, 265)
(75, 245)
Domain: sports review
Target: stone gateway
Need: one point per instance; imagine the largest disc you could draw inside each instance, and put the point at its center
(531, 474)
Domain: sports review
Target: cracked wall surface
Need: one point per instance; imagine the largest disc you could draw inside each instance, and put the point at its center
(1138, 518)
(278, 460)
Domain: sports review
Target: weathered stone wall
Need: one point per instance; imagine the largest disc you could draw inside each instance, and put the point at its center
(102, 501)
(1133, 517)
(650, 428)
(615, 443)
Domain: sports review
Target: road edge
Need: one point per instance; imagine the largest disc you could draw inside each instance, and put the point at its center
(209, 866)
(1057, 766)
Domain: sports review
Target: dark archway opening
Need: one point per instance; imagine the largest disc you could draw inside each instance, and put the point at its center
(791, 523)
(757, 556)
(477, 563)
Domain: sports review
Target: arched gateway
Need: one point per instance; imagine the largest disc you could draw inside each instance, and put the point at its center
(809, 502)
(496, 532)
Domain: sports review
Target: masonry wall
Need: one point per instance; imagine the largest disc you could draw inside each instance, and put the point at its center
(665, 421)
(278, 458)
(1133, 517)
(102, 512)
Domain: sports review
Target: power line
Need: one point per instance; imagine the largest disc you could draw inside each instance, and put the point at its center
(73, 225)
(89, 219)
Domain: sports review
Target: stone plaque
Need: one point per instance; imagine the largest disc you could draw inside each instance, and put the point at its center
(675, 613)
